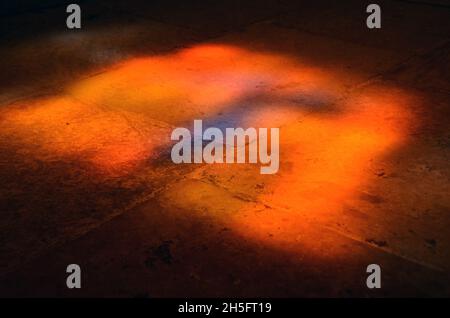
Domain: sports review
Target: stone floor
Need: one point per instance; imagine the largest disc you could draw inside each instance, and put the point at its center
(86, 175)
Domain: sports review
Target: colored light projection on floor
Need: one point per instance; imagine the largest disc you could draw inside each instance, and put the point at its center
(121, 119)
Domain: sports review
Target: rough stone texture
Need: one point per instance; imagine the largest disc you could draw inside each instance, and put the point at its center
(86, 175)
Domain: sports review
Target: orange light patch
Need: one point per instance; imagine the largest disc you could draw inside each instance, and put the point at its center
(118, 119)
(61, 128)
(324, 160)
